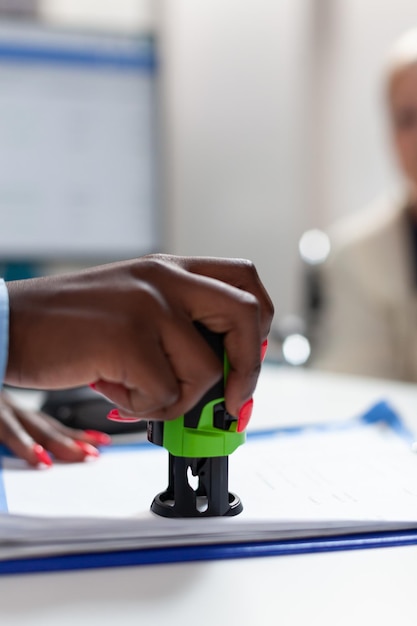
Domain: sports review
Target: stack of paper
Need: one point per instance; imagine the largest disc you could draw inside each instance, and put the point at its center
(314, 483)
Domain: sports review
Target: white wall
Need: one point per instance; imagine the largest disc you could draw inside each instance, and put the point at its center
(233, 96)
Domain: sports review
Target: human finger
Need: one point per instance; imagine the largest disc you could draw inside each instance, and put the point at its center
(149, 382)
(233, 313)
(65, 444)
(240, 273)
(94, 437)
(194, 364)
(18, 440)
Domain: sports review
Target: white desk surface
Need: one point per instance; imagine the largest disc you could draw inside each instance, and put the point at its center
(374, 586)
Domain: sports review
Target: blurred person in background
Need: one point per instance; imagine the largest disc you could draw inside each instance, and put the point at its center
(368, 324)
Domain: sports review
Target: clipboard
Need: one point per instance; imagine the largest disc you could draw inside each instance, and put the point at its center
(187, 554)
(381, 413)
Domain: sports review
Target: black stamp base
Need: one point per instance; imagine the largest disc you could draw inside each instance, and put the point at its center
(211, 498)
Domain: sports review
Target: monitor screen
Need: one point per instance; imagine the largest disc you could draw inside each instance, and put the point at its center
(77, 144)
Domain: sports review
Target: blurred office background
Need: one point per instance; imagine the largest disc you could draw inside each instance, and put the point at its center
(214, 127)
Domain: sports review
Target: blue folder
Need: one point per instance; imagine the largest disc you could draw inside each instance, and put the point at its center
(380, 413)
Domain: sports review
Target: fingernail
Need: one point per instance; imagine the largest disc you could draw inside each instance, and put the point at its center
(42, 455)
(264, 348)
(93, 386)
(244, 416)
(115, 416)
(87, 448)
(99, 437)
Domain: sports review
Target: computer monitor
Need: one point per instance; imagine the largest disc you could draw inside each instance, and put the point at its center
(77, 144)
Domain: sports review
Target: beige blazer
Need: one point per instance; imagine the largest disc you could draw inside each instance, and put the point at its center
(369, 321)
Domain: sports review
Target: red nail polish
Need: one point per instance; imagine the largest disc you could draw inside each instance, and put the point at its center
(115, 416)
(264, 348)
(101, 438)
(93, 386)
(87, 448)
(244, 416)
(42, 455)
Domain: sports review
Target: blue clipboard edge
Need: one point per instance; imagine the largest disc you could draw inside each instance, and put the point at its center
(187, 554)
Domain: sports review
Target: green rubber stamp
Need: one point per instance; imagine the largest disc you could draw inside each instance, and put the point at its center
(199, 444)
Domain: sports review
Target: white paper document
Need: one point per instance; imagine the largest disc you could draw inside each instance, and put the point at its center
(313, 483)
